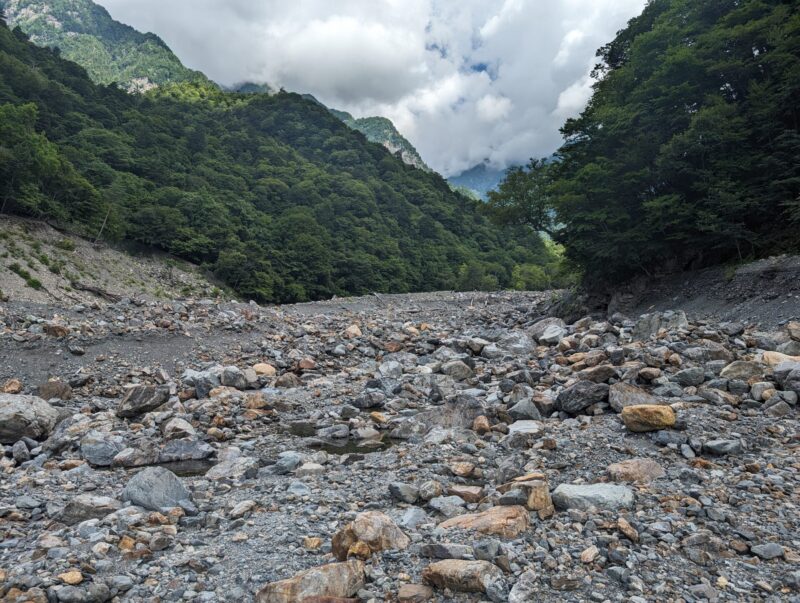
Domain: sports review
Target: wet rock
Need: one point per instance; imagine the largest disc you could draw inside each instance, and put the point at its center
(506, 522)
(583, 497)
(467, 576)
(157, 488)
(648, 417)
(25, 416)
(332, 580)
(141, 399)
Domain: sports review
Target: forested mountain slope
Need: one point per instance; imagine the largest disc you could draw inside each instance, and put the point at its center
(110, 52)
(687, 154)
(273, 193)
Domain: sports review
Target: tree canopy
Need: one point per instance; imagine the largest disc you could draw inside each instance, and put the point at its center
(271, 192)
(687, 153)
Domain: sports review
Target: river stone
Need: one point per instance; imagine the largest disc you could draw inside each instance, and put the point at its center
(580, 396)
(525, 410)
(722, 447)
(332, 580)
(507, 522)
(141, 399)
(538, 329)
(372, 528)
(457, 369)
(770, 550)
(87, 506)
(635, 470)
(156, 488)
(743, 370)
(648, 417)
(232, 376)
(25, 417)
(650, 324)
(585, 496)
(467, 576)
(99, 449)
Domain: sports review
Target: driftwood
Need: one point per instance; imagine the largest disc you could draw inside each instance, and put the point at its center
(112, 297)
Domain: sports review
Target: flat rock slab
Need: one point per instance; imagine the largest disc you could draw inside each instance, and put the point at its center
(585, 496)
(142, 399)
(467, 576)
(507, 522)
(636, 470)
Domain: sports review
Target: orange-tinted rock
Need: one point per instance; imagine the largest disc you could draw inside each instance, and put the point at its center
(507, 522)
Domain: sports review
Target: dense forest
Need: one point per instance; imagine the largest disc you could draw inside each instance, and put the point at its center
(111, 52)
(272, 193)
(688, 153)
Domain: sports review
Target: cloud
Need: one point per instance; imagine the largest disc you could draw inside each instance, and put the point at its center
(464, 81)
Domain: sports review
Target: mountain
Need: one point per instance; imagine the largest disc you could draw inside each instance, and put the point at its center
(109, 51)
(480, 179)
(272, 193)
(382, 131)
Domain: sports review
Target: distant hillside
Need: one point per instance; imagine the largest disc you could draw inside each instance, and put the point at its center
(481, 179)
(272, 193)
(109, 51)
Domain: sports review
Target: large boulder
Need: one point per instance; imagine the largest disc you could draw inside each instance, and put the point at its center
(580, 396)
(650, 324)
(25, 417)
(467, 576)
(584, 496)
(332, 580)
(373, 529)
(99, 449)
(141, 399)
(743, 370)
(87, 506)
(555, 325)
(507, 522)
(156, 488)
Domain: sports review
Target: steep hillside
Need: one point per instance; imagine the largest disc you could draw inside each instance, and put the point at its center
(109, 51)
(271, 192)
(383, 131)
(41, 264)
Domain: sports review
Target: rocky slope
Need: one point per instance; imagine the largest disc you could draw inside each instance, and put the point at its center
(442, 447)
(40, 264)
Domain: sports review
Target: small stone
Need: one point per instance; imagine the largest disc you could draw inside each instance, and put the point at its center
(414, 593)
(264, 369)
(12, 386)
(743, 370)
(72, 577)
(590, 554)
(141, 399)
(156, 488)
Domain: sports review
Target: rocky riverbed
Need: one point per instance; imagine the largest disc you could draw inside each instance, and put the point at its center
(437, 447)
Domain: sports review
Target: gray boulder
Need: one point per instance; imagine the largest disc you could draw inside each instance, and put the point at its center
(539, 329)
(623, 394)
(580, 396)
(25, 417)
(99, 449)
(233, 377)
(86, 506)
(156, 488)
(650, 324)
(584, 496)
(141, 399)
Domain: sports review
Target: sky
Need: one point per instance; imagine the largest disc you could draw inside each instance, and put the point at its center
(464, 80)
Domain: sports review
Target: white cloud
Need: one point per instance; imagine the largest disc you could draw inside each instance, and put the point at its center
(464, 81)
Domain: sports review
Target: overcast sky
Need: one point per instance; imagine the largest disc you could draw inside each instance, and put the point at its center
(463, 80)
